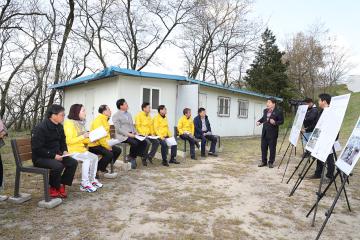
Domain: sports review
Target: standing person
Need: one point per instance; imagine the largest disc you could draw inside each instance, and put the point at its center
(125, 131)
(77, 139)
(3, 133)
(203, 132)
(101, 147)
(48, 144)
(186, 131)
(272, 119)
(161, 129)
(309, 122)
(324, 102)
(144, 126)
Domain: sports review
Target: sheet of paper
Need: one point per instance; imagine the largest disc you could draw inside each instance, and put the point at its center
(171, 141)
(113, 142)
(68, 155)
(98, 133)
(140, 138)
(153, 137)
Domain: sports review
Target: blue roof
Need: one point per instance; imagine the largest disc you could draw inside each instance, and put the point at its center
(113, 71)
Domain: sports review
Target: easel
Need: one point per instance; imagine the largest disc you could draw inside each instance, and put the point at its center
(302, 159)
(321, 194)
(292, 148)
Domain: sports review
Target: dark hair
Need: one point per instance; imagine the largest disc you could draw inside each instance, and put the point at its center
(144, 105)
(273, 100)
(308, 100)
(120, 102)
(102, 108)
(201, 110)
(54, 109)
(325, 97)
(74, 111)
(186, 110)
(161, 107)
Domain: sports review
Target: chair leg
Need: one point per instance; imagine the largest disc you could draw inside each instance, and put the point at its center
(17, 183)
(112, 166)
(46, 187)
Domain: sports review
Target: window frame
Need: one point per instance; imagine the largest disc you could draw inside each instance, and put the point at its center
(222, 114)
(151, 95)
(247, 109)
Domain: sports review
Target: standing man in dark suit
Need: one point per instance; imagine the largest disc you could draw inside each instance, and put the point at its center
(272, 118)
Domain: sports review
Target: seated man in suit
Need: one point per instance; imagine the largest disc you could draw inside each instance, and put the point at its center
(125, 131)
(186, 131)
(101, 147)
(271, 120)
(144, 127)
(161, 129)
(203, 132)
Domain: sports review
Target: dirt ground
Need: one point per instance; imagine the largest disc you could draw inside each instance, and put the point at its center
(227, 197)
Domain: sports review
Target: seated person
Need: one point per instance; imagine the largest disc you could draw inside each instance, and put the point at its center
(186, 131)
(101, 147)
(77, 139)
(161, 129)
(48, 145)
(144, 126)
(203, 132)
(125, 131)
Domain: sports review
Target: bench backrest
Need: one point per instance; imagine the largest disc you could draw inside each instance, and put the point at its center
(22, 150)
(112, 131)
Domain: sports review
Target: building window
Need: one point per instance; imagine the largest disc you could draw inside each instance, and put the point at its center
(152, 96)
(223, 106)
(243, 108)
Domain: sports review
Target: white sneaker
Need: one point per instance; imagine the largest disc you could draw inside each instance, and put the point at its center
(87, 187)
(97, 184)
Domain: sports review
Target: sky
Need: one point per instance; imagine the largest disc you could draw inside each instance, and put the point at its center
(287, 17)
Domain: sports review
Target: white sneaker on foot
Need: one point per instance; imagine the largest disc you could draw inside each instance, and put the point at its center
(96, 183)
(87, 187)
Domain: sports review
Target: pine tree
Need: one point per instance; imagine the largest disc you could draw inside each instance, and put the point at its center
(267, 73)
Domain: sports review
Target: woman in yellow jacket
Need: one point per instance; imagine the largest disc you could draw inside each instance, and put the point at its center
(186, 131)
(77, 139)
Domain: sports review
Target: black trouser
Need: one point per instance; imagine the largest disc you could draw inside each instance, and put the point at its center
(137, 147)
(268, 143)
(61, 172)
(154, 146)
(330, 167)
(212, 139)
(107, 156)
(165, 148)
(1, 172)
(191, 141)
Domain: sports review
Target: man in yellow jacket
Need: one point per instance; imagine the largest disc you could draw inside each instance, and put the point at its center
(102, 147)
(161, 129)
(144, 126)
(186, 131)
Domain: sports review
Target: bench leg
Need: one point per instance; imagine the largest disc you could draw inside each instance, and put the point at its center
(46, 187)
(17, 184)
(184, 149)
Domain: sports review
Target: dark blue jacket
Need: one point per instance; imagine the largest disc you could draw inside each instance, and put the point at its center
(269, 130)
(198, 126)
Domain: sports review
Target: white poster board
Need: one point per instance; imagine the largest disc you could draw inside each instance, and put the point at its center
(297, 124)
(317, 130)
(331, 127)
(351, 153)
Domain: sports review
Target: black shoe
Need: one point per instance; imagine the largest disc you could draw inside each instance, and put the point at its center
(174, 161)
(313, 177)
(133, 163)
(144, 163)
(165, 163)
(262, 164)
(271, 165)
(150, 160)
(194, 158)
(212, 154)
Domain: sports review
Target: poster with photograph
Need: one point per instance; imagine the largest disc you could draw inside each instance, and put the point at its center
(351, 153)
(317, 130)
(331, 127)
(297, 124)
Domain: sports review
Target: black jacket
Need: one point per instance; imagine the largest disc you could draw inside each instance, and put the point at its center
(198, 126)
(311, 118)
(47, 140)
(270, 130)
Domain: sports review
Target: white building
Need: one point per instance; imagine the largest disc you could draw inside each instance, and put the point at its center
(232, 112)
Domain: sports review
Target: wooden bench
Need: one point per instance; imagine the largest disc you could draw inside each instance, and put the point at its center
(22, 153)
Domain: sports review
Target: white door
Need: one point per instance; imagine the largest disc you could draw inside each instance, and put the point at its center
(258, 112)
(89, 106)
(187, 97)
(202, 100)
